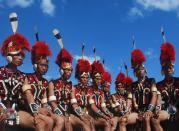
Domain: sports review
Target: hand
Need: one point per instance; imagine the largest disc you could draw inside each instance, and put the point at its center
(44, 111)
(3, 116)
(106, 117)
(148, 114)
(36, 119)
(140, 116)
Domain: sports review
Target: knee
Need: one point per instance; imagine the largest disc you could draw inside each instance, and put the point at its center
(155, 121)
(59, 121)
(106, 124)
(123, 121)
(40, 125)
(50, 122)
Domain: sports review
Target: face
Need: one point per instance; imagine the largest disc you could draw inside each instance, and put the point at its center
(67, 70)
(84, 79)
(42, 66)
(119, 87)
(97, 80)
(106, 86)
(17, 59)
(140, 72)
(168, 70)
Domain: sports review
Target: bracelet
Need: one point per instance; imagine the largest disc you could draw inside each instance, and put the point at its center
(57, 111)
(91, 101)
(78, 111)
(34, 107)
(99, 113)
(44, 100)
(151, 107)
(73, 101)
(103, 105)
(52, 98)
(158, 107)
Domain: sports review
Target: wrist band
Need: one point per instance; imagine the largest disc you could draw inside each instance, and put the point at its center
(91, 101)
(73, 101)
(44, 100)
(52, 98)
(103, 105)
(113, 105)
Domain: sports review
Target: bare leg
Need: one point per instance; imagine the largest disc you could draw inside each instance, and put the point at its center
(122, 123)
(102, 122)
(48, 122)
(114, 120)
(59, 122)
(163, 115)
(67, 123)
(76, 121)
(27, 121)
(147, 123)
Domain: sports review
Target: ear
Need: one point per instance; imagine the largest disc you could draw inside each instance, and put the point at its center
(61, 71)
(35, 66)
(9, 59)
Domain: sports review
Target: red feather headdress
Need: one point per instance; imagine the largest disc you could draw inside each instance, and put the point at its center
(63, 56)
(81, 67)
(120, 78)
(97, 67)
(167, 53)
(40, 49)
(137, 58)
(14, 44)
(128, 81)
(107, 77)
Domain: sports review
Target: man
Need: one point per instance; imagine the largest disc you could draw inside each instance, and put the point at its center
(122, 102)
(144, 89)
(97, 104)
(35, 86)
(11, 80)
(107, 79)
(82, 74)
(61, 94)
(169, 88)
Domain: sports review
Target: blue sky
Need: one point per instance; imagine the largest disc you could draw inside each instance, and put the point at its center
(106, 24)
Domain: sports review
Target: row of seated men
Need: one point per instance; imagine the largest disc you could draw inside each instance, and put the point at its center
(30, 102)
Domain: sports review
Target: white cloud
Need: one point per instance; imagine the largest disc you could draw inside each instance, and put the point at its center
(47, 7)
(164, 5)
(64, 1)
(150, 53)
(89, 58)
(134, 11)
(20, 3)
